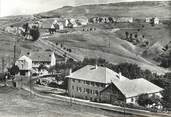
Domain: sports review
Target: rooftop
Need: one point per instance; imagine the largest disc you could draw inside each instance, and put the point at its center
(96, 74)
(41, 56)
(131, 88)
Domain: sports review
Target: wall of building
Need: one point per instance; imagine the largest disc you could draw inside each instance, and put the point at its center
(132, 100)
(112, 95)
(85, 89)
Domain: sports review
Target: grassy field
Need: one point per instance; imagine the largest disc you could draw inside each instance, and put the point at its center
(132, 9)
(103, 42)
(19, 103)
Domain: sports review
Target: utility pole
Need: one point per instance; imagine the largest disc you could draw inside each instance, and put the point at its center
(14, 53)
(124, 106)
(3, 64)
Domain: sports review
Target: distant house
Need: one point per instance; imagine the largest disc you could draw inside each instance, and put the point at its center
(82, 20)
(101, 84)
(68, 23)
(58, 25)
(73, 22)
(25, 65)
(147, 20)
(124, 19)
(156, 20)
(105, 20)
(52, 23)
(31, 61)
(11, 29)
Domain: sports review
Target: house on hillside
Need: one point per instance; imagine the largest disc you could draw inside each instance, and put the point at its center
(147, 20)
(156, 20)
(11, 29)
(101, 84)
(125, 19)
(82, 20)
(68, 23)
(31, 61)
(25, 65)
(58, 25)
(74, 22)
(54, 24)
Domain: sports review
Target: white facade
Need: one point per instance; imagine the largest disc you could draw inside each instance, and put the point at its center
(73, 22)
(53, 59)
(133, 100)
(66, 22)
(156, 20)
(24, 63)
(147, 20)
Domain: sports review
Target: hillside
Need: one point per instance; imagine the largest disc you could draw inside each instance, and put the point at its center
(104, 42)
(132, 9)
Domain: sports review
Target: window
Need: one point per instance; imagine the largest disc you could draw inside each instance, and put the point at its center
(92, 83)
(73, 80)
(79, 81)
(132, 99)
(77, 89)
(72, 87)
(87, 82)
(80, 89)
(84, 90)
(96, 92)
(88, 91)
(91, 92)
(97, 84)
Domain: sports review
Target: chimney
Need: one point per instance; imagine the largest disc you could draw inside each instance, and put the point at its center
(28, 53)
(96, 66)
(70, 71)
(120, 75)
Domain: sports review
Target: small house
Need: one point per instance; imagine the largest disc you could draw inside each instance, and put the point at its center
(31, 61)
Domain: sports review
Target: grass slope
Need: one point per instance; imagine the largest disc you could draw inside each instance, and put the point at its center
(133, 9)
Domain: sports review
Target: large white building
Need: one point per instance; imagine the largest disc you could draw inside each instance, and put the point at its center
(104, 85)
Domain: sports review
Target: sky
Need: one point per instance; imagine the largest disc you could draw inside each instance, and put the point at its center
(21, 7)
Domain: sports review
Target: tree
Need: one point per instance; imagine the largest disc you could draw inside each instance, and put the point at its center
(136, 35)
(130, 37)
(41, 66)
(126, 34)
(110, 19)
(143, 100)
(14, 70)
(26, 27)
(34, 32)
(131, 71)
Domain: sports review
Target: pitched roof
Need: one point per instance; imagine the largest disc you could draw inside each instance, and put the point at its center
(96, 74)
(132, 88)
(41, 56)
